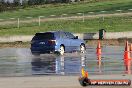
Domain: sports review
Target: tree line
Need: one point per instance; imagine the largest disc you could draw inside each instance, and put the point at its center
(7, 5)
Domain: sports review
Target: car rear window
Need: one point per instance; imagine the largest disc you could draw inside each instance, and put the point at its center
(42, 36)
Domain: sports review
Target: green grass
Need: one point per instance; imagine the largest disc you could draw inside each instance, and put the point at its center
(111, 24)
(46, 10)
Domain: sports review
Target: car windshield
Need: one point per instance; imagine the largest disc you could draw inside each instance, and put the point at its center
(42, 36)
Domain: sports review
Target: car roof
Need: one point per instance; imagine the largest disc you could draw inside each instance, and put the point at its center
(51, 32)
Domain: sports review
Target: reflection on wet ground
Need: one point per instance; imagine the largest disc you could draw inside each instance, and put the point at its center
(20, 62)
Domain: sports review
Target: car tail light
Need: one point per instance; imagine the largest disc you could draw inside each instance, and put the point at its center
(52, 42)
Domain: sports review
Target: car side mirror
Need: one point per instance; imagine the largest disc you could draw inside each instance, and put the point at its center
(76, 37)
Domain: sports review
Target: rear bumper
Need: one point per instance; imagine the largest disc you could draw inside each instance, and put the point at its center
(41, 50)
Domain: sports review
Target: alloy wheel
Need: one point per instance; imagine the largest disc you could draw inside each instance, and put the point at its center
(62, 50)
(82, 48)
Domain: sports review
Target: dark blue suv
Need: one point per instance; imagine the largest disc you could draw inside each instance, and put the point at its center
(57, 41)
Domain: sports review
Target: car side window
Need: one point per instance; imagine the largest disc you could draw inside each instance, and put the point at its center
(63, 35)
(69, 35)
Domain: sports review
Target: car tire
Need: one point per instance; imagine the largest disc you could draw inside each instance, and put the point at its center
(62, 50)
(82, 48)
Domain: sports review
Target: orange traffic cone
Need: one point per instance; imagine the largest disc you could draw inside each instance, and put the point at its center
(126, 53)
(98, 49)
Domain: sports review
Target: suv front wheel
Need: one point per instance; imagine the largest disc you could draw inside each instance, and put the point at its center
(82, 48)
(62, 50)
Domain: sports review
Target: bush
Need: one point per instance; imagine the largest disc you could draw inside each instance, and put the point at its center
(2, 7)
(36, 2)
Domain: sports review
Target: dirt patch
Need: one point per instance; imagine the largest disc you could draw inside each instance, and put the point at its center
(15, 44)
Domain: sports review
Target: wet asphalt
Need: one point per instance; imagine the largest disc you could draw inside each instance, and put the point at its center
(20, 62)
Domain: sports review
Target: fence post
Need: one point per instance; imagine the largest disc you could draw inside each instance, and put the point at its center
(18, 22)
(103, 15)
(103, 18)
(83, 17)
(39, 21)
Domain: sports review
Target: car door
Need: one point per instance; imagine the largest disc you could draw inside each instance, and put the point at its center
(65, 41)
(74, 43)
